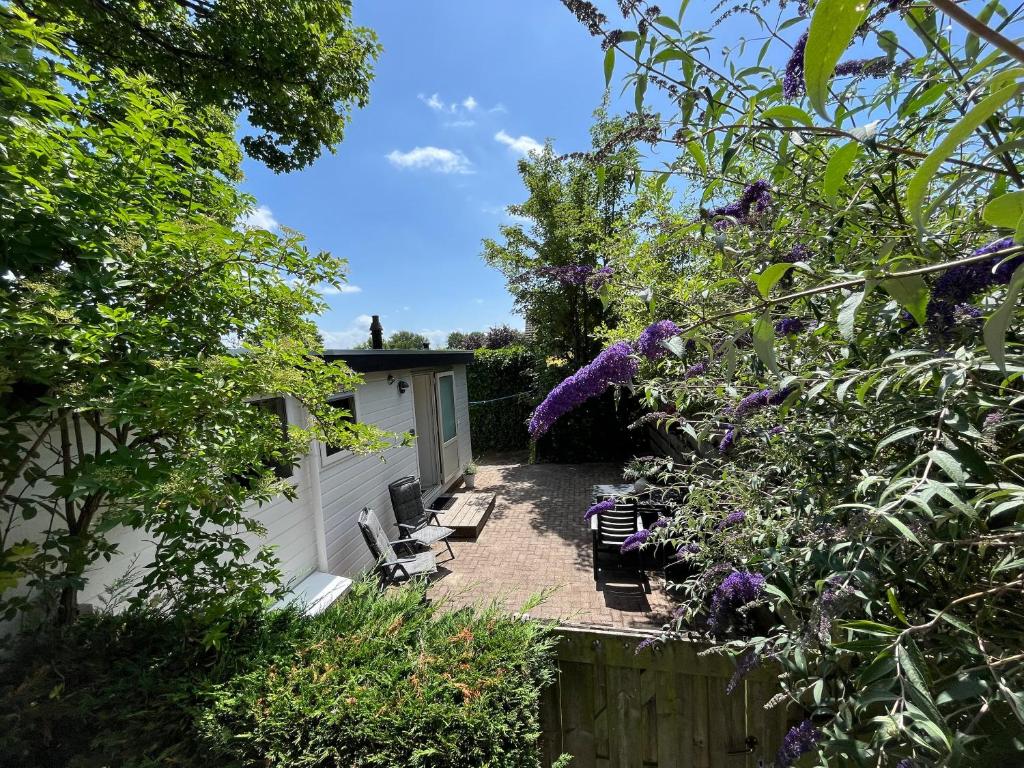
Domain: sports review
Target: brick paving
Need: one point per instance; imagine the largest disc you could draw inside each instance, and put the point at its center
(536, 540)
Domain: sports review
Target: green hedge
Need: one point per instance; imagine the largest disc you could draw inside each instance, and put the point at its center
(497, 373)
(380, 679)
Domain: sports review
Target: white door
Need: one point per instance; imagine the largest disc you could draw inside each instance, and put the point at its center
(447, 423)
(425, 407)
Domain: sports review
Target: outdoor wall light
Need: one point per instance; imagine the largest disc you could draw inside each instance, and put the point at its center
(391, 379)
(402, 386)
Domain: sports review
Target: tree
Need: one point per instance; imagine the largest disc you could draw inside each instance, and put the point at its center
(555, 265)
(501, 336)
(139, 322)
(406, 340)
(830, 325)
(460, 340)
(295, 69)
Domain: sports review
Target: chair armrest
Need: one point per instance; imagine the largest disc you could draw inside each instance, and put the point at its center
(410, 543)
(433, 516)
(406, 527)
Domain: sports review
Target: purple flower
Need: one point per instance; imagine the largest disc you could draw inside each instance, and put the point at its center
(697, 369)
(796, 253)
(650, 342)
(597, 509)
(788, 325)
(745, 664)
(905, 763)
(600, 277)
(776, 430)
(779, 397)
(634, 540)
(756, 197)
(737, 590)
(879, 66)
(958, 284)
(993, 419)
(646, 643)
(800, 740)
(661, 522)
(733, 518)
(572, 274)
(793, 82)
(692, 548)
(751, 403)
(615, 365)
(728, 440)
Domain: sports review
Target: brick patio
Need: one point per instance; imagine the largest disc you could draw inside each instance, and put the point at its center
(536, 539)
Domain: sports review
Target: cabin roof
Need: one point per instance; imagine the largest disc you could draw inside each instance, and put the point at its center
(372, 360)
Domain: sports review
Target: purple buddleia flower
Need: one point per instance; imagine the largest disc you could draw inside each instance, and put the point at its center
(693, 548)
(650, 418)
(600, 277)
(778, 429)
(697, 369)
(836, 598)
(733, 518)
(960, 283)
(661, 522)
(800, 740)
(993, 419)
(779, 397)
(650, 342)
(788, 325)
(728, 440)
(634, 540)
(796, 253)
(646, 643)
(906, 762)
(751, 403)
(880, 66)
(756, 197)
(793, 82)
(597, 509)
(615, 365)
(745, 664)
(737, 590)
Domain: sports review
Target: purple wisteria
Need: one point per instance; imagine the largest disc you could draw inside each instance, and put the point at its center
(793, 82)
(650, 343)
(800, 740)
(756, 198)
(597, 509)
(736, 591)
(959, 284)
(615, 365)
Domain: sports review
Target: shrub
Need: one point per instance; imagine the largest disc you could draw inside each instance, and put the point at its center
(500, 425)
(502, 336)
(379, 679)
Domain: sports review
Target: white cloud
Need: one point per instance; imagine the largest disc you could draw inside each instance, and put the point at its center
(357, 332)
(436, 338)
(524, 145)
(260, 218)
(433, 101)
(469, 103)
(330, 290)
(431, 159)
(460, 124)
(499, 107)
(478, 301)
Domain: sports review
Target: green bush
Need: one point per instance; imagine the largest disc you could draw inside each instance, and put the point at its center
(499, 373)
(380, 679)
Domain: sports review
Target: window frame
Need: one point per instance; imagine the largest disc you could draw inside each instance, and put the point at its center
(353, 395)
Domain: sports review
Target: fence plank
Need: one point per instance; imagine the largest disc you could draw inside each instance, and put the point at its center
(551, 725)
(624, 736)
(577, 708)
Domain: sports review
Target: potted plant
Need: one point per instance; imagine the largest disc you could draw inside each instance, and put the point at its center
(469, 475)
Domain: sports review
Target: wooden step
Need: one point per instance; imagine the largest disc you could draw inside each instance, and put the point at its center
(468, 514)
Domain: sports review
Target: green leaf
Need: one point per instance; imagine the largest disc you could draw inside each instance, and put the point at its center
(929, 96)
(999, 321)
(609, 65)
(832, 28)
(900, 526)
(697, 153)
(848, 310)
(894, 606)
(787, 113)
(770, 277)
(638, 93)
(764, 341)
(911, 293)
(1005, 210)
(949, 465)
(838, 166)
(601, 172)
(899, 434)
(970, 122)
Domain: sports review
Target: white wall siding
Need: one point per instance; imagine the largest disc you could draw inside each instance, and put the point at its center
(348, 482)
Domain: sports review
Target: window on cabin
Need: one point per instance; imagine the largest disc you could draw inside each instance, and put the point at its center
(346, 403)
(277, 407)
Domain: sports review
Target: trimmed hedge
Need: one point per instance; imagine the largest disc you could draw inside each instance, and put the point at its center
(498, 373)
(380, 679)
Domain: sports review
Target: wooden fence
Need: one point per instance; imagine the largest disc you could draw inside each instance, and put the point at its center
(664, 708)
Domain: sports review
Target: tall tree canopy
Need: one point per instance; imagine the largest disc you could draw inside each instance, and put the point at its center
(138, 322)
(296, 68)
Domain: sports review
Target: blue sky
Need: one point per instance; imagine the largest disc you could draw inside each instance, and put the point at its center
(462, 89)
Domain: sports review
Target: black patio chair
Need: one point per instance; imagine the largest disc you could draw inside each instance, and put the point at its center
(612, 529)
(392, 568)
(414, 520)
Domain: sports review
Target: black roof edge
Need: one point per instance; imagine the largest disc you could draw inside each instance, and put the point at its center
(372, 360)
